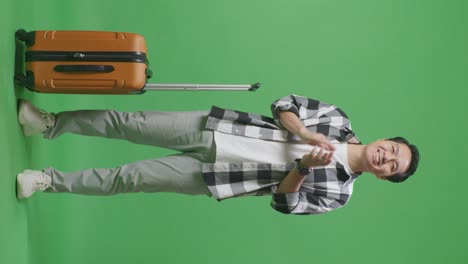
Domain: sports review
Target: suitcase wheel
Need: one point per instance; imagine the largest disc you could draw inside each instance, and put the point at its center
(21, 35)
(20, 79)
(25, 80)
(26, 37)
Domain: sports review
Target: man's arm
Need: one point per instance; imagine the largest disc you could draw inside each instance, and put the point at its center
(291, 122)
(288, 198)
(293, 181)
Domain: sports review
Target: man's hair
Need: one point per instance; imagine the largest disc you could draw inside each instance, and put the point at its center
(401, 177)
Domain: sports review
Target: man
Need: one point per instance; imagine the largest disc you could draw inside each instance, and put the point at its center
(226, 153)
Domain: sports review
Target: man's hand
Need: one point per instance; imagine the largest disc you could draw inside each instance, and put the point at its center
(292, 123)
(293, 181)
(314, 159)
(315, 139)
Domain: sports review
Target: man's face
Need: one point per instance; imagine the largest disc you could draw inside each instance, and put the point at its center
(385, 158)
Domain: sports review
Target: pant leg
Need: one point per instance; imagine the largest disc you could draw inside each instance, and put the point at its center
(177, 173)
(180, 131)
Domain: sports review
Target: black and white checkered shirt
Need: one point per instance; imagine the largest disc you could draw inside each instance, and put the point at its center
(324, 189)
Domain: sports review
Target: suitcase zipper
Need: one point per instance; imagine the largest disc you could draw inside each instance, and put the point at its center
(138, 57)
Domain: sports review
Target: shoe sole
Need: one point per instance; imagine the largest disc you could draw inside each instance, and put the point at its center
(19, 190)
(22, 120)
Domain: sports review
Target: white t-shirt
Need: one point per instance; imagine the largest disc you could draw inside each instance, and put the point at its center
(232, 148)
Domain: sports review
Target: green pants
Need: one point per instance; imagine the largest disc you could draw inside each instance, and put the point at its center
(180, 131)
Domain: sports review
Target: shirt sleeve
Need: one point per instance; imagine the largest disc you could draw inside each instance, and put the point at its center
(303, 203)
(304, 108)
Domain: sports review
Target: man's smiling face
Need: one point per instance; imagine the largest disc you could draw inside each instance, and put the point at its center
(386, 158)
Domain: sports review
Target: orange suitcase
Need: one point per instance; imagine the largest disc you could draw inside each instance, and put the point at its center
(93, 62)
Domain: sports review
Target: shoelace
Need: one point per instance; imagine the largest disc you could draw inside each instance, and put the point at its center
(47, 119)
(42, 183)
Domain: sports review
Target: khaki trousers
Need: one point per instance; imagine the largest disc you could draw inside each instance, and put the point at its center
(180, 131)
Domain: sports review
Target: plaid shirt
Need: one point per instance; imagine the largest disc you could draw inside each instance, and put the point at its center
(324, 189)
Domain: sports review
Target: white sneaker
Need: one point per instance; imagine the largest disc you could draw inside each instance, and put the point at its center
(29, 181)
(33, 119)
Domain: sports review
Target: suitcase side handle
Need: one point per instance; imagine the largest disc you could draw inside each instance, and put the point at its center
(84, 68)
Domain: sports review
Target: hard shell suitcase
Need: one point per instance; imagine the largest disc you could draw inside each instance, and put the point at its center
(93, 62)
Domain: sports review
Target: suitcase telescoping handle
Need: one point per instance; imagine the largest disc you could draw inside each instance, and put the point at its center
(202, 87)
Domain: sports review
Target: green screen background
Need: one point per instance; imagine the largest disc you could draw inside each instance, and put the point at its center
(396, 67)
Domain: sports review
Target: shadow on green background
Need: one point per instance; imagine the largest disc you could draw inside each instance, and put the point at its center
(396, 68)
